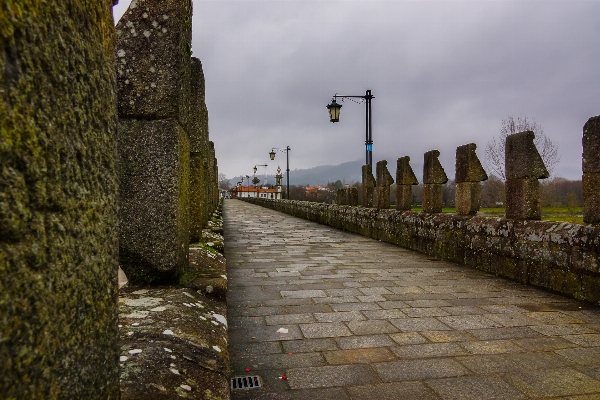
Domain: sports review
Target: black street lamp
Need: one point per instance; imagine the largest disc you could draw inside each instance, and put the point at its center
(261, 165)
(287, 151)
(334, 116)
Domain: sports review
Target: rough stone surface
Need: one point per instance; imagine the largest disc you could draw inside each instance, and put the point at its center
(432, 198)
(342, 197)
(199, 152)
(433, 172)
(523, 199)
(468, 166)
(352, 196)
(591, 171)
(522, 159)
(153, 195)
(591, 197)
(384, 181)
(368, 186)
(523, 166)
(467, 198)
(173, 344)
(153, 60)
(405, 178)
(433, 178)
(58, 196)
(558, 256)
(403, 197)
(154, 90)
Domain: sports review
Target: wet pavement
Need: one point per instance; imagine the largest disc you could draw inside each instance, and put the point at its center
(319, 313)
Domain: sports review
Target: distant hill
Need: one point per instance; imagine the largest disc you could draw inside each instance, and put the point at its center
(348, 172)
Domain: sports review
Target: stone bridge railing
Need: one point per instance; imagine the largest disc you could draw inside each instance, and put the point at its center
(558, 256)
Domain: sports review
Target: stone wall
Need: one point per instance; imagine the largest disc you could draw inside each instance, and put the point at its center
(557, 256)
(167, 165)
(58, 201)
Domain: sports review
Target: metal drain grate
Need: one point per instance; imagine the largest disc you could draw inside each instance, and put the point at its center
(245, 382)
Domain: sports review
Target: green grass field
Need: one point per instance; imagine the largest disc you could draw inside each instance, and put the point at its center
(559, 214)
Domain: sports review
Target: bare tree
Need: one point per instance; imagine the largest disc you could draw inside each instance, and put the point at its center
(494, 151)
(223, 182)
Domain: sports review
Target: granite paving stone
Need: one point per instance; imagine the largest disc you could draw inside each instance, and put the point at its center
(364, 342)
(474, 388)
(392, 391)
(331, 376)
(492, 347)
(359, 356)
(345, 317)
(419, 369)
(371, 327)
(554, 382)
(325, 329)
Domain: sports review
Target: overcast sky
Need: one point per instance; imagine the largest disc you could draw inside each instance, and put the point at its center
(443, 73)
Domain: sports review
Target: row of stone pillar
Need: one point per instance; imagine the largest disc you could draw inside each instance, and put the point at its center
(523, 165)
(167, 168)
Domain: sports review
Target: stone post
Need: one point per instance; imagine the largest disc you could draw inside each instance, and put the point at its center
(198, 144)
(368, 185)
(352, 196)
(153, 81)
(523, 166)
(591, 171)
(384, 181)
(405, 179)
(433, 179)
(58, 201)
(469, 173)
(342, 197)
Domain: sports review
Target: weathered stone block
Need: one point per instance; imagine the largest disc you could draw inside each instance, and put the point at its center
(58, 201)
(523, 199)
(342, 197)
(198, 196)
(468, 166)
(352, 196)
(153, 60)
(468, 198)
(432, 198)
(154, 165)
(433, 172)
(198, 111)
(591, 145)
(522, 159)
(368, 185)
(591, 197)
(404, 172)
(403, 197)
(384, 180)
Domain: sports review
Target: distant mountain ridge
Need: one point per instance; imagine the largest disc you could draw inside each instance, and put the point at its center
(348, 172)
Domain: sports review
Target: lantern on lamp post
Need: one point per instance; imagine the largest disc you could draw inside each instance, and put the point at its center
(334, 116)
(287, 171)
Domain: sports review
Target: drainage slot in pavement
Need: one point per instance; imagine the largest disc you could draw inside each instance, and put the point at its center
(245, 382)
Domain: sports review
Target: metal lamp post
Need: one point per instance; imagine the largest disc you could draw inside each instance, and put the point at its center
(261, 165)
(334, 116)
(287, 171)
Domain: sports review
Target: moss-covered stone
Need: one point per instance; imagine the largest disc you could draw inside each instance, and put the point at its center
(153, 200)
(58, 213)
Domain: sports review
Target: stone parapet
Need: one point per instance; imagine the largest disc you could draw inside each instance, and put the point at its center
(58, 201)
(153, 207)
(557, 256)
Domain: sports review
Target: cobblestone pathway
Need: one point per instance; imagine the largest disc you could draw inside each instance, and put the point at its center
(368, 320)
